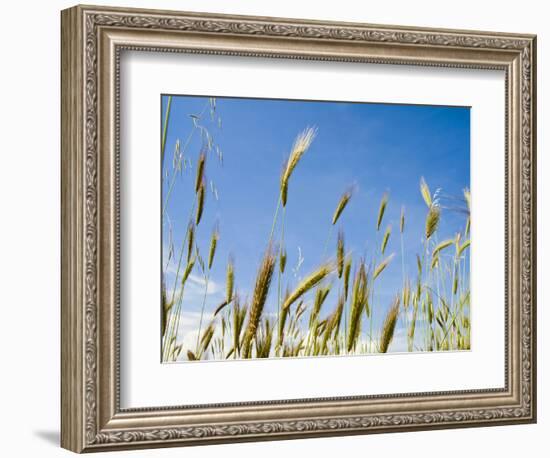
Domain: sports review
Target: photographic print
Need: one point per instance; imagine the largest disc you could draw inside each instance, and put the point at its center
(312, 228)
(319, 225)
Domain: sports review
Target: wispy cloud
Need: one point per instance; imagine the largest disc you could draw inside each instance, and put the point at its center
(188, 330)
(195, 285)
(213, 286)
(399, 342)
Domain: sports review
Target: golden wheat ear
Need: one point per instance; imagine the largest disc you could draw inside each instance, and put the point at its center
(308, 283)
(388, 328)
(261, 291)
(201, 194)
(432, 221)
(282, 260)
(385, 239)
(347, 271)
(340, 254)
(382, 210)
(213, 245)
(200, 171)
(425, 192)
(301, 145)
(342, 203)
(381, 266)
(359, 297)
(229, 279)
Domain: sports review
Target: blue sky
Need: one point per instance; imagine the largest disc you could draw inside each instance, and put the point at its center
(375, 148)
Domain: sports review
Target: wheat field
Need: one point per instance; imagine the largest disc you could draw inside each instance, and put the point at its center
(337, 307)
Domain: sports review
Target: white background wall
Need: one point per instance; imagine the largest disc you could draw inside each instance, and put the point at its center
(29, 226)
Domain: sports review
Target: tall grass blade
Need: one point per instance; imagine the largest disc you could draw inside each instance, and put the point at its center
(165, 126)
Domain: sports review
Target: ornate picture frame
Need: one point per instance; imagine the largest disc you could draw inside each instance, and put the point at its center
(93, 39)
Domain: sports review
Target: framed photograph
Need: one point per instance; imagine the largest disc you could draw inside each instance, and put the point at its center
(277, 228)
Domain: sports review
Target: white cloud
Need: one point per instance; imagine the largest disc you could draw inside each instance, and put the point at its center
(213, 286)
(195, 283)
(399, 343)
(195, 286)
(188, 330)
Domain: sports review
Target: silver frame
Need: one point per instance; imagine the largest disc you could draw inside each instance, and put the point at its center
(92, 40)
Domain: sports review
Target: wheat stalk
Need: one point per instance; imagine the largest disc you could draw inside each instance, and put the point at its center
(220, 307)
(467, 198)
(187, 271)
(200, 171)
(165, 126)
(175, 315)
(333, 323)
(381, 266)
(381, 210)
(435, 261)
(239, 315)
(425, 191)
(166, 307)
(358, 303)
(457, 243)
(211, 253)
(263, 342)
(340, 254)
(389, 326)
(282, 322)
(201, 193)
(282, 260)
(442, 245)
(385, 239)
(432, 221)
(347, 271)
(465, 245)
(306, 284)
(301, 144)
(206, 339)
(338, 315)
(320, 296)
(455, 282)
(406, 294)
(213, 244)
(430, 307)
(229, 280)
(190, 239)
(341, 205)
(261, 290)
